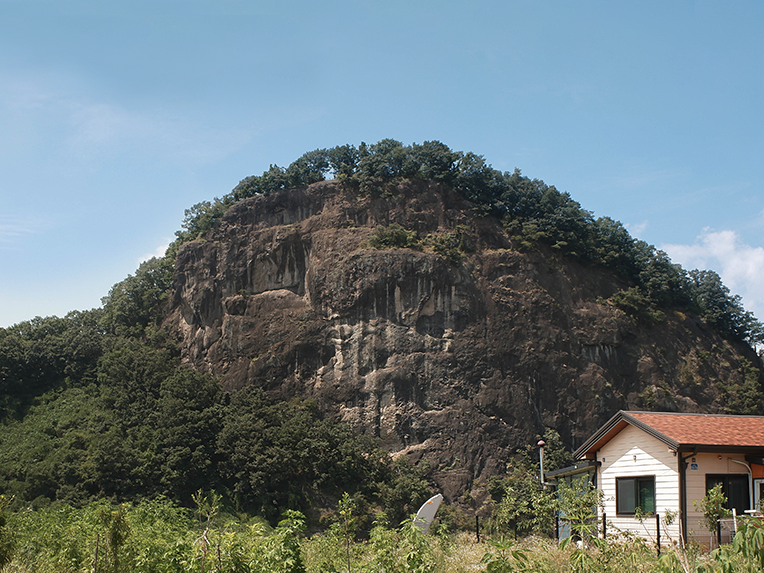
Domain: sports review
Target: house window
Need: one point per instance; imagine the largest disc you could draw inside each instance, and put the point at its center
(758, 493)
(734, 488)
(634, 493)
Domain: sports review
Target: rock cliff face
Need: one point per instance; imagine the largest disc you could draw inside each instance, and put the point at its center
(457, 360)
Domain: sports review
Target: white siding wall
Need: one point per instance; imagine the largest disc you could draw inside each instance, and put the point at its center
(633, 453)
(696, 489)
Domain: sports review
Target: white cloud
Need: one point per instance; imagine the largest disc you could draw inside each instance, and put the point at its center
(49, 112)
(14, 229)
(107, 129)
(636, 229)
(158, 252)
(740, 265)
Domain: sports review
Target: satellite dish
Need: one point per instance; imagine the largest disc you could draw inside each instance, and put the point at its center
(426, 513)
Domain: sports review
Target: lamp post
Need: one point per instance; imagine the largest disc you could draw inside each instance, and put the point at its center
(541, 445)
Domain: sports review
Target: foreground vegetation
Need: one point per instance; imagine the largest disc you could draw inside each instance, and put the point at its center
(157, 536)
(160, 536)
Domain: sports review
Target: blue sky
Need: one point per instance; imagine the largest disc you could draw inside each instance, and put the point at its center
(117, 116)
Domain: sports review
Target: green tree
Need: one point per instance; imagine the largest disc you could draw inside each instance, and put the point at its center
(723, 311)
(45, 353)
(525, 507)
(278, 456)
(402, 489)
(381, 163)
(343, 160)
(137, 301)
(310, 168)
(634, 302)
(665, 283)
(614, 247)
(200, 218)
(189, 418)
(556, 455)
(746, 398)
(435, 161)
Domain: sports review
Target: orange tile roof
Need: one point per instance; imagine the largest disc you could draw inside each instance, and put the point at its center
(683, 431)
(706, 429)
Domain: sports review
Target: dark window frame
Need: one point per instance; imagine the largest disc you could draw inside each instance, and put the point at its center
(638, 485)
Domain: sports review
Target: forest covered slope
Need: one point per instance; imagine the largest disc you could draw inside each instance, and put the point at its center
(409, 298)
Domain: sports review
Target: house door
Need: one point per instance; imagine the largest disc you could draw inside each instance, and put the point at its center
(734, 488)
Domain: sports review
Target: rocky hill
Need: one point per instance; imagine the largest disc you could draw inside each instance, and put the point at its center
(414, 318)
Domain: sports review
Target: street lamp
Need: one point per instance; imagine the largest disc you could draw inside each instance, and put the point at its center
(541, 445)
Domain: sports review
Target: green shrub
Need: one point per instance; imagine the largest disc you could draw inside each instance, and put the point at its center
(392, 237)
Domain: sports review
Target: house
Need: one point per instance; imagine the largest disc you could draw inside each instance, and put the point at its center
(664, 463)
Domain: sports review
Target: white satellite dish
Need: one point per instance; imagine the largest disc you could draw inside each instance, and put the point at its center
(426, 513)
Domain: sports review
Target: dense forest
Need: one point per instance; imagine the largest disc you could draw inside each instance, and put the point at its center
(89, 414)
(97, 406)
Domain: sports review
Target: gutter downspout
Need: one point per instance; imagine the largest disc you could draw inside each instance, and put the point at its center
(683, 493)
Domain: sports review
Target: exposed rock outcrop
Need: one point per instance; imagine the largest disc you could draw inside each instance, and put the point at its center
(459, 362)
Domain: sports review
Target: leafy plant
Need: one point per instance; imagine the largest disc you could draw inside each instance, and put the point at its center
(6, 540)
(525, 508)
(116, 530)
(713, 507)
(347, 524)
(281, 552)
(578, 501)
(207, 508)
(452, 245)
(506, 557)
(406, 549)
(747, 551)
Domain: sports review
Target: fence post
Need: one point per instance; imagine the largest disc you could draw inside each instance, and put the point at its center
(604, 525)
(718, 532)
(658, 533)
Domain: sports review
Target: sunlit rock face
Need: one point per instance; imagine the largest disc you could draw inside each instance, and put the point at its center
(458, 356)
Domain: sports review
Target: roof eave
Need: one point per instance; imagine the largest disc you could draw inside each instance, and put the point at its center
(717, 449)
(610, 429)
(607, 427)
(579, 468)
